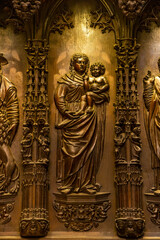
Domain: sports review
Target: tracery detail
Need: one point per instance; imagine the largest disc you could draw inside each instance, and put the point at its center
(35, 144)
(62, 20)
(102, 20)
(128, 178)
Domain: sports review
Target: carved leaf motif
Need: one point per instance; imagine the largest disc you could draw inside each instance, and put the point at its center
(61, 21)
(34, 227)
(102, 20)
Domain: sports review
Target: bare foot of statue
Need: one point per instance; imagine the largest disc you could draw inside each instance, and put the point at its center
(65, 189)
(91, 189)
(98, 186)
(157, 192)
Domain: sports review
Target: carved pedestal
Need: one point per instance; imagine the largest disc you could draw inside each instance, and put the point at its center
(153, 206)
(81, 212)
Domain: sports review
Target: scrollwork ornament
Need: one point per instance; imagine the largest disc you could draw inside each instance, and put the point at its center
(82, 217)
(5, 210)
(62, 20)
(101, 19)
(35, 227)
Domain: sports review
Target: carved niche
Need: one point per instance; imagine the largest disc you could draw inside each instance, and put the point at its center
(81, 101)
(34, 220)
(9, 120)
(128, 174)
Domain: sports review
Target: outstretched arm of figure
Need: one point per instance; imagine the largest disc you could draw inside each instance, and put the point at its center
(60, 101)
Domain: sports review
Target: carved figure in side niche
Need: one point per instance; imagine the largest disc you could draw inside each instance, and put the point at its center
(136, 145)
(151, 96)
(9, 119)
(96, 88)
(43, 140)
(119, 140)
(81, 131)
(27, 142)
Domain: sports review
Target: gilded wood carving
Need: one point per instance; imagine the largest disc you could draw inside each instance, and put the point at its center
(81, 101)
(128, 179)
(35, 144)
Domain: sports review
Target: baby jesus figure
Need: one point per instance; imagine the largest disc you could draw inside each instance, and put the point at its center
(96, 88)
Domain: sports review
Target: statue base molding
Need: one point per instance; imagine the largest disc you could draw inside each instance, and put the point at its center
(81, 211)
(153, 206)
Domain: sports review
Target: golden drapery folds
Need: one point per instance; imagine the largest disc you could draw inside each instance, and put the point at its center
(82, 136)
(151, 97)
(9, 119)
